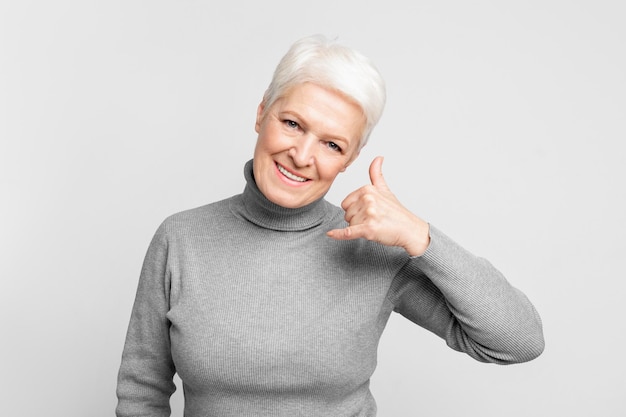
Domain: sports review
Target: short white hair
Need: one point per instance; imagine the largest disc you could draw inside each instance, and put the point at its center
(326, 63)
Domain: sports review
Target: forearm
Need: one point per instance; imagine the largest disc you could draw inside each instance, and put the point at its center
(488, 318)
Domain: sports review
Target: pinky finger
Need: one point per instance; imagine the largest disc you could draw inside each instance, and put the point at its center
(348, 233)
(340, 234)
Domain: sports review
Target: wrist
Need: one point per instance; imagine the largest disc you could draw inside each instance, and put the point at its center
(420, 239)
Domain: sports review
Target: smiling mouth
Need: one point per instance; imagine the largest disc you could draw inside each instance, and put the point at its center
(289, 175)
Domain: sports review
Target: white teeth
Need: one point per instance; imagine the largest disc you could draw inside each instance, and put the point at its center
(289, 174)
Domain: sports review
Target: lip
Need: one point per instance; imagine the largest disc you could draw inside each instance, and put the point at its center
(287, 180)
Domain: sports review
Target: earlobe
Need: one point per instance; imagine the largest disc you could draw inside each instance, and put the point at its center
(259, 116)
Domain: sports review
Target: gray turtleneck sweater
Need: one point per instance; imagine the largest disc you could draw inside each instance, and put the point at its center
(261, 314)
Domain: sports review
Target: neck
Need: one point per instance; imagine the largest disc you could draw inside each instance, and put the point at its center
(264, 213)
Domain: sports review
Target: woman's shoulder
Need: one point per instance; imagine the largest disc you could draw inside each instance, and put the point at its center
(197, 218)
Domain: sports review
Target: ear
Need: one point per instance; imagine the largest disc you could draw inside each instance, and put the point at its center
(259, 116)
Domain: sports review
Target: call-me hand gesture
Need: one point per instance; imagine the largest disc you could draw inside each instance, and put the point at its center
(374, 213)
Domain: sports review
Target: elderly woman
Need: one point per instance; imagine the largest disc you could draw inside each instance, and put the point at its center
(272, 302)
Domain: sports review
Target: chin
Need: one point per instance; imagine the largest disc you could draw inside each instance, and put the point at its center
(288, 202)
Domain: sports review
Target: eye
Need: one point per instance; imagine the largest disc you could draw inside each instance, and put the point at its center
(291, 124)
(334, 146)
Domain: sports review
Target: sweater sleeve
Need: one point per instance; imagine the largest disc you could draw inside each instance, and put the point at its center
(466, 301)
(145, 379)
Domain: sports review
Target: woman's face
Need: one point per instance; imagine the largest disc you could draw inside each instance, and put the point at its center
(305, 139)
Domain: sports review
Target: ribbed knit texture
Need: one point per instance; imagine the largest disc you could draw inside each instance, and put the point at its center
(261, 314)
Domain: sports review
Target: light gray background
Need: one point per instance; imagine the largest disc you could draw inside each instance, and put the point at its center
(504, 127)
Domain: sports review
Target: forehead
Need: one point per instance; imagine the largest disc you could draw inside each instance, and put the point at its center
(323, 109)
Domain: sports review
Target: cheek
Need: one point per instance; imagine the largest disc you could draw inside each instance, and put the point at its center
(270, 140)
(330, 171)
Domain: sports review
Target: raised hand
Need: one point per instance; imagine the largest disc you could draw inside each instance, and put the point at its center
(374, 213)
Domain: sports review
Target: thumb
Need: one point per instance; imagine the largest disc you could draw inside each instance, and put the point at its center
(376, 173)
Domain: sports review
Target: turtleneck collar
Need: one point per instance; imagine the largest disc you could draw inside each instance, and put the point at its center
(257, 209)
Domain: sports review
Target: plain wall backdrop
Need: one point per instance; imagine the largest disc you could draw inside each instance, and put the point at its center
(504, 127)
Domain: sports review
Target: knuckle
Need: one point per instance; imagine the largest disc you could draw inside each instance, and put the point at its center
(369, 198)
(371, 212)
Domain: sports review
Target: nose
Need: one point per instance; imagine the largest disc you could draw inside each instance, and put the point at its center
(303, 151)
